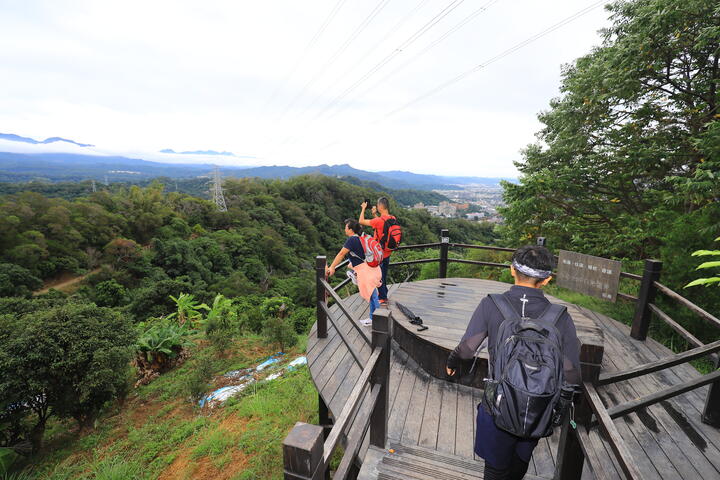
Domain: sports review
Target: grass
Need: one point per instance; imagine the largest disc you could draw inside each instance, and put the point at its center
(159, 434)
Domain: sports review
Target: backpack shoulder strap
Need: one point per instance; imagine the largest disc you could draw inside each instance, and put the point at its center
(553, 313)
(503, 304)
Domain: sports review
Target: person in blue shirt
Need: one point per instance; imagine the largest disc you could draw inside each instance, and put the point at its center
(362, 275)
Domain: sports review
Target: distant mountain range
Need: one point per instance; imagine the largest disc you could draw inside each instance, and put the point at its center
(24, 167)
(18, 138)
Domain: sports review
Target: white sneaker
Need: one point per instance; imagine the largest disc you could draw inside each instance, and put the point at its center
(366, 321)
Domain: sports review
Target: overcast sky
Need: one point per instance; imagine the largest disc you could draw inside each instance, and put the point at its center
(135, 77)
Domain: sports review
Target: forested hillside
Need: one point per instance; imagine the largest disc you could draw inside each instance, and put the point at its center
(174, 287)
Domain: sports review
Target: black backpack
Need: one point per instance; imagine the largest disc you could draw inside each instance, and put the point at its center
(391, 235)
(527, 371)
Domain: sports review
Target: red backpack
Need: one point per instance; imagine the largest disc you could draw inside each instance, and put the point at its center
(373, 250)
(391, 235)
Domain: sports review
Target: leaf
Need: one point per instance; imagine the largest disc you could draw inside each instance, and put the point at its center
(703, 281)
(700, 253)
(709, 265)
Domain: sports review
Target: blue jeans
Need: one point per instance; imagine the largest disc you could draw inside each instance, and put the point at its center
(374, 302)
(382, 290)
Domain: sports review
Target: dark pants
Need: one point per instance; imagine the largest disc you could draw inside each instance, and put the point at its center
(516, 470)
(382, 290)
(506, 456)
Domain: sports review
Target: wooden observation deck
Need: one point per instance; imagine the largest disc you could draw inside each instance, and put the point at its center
(384, 396)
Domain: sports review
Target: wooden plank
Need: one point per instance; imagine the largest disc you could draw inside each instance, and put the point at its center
(465, 424)
(402, 399)
(433, 404)
(448, 418)
(415, 409)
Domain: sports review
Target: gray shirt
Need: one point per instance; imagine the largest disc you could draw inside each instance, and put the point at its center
(487, 318)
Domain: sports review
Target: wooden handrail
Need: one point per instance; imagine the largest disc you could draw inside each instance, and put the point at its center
(625, 296)
(692, 339)
(653, 398)
(617, 444)
(341, 284)
(687, 303)
(631, 276)
(347, 343)
(344, 310)
(661, 364)
(355, 439)
(348, 411)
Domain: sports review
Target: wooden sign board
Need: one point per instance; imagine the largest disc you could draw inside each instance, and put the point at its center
(595, 276)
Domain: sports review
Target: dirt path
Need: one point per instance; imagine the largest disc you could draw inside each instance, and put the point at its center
(64, 282)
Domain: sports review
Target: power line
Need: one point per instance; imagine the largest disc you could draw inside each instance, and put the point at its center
(494, 59)
(358, 30)
(430, 46)
(310, 44)
(392, 30)
(388, 58)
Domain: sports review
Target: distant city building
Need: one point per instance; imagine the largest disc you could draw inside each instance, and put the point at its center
(461, 206)
(419, 205)
(475, 215)
(447, 209)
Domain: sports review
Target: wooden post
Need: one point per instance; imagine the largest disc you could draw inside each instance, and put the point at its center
(711, 412)
(381, 338)
(324, 416)
(641, 321)
(321, 297)
(444, 244)
(303, 453)
(570, 458)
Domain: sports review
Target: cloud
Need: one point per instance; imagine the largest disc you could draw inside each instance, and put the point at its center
(143, 76)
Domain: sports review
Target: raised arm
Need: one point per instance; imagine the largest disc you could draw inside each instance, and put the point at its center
(361, 218)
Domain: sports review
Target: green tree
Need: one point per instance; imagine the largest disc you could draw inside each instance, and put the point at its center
(64, 361)
(278, 329)
(110, 293)
(637, 118)
(17, 281)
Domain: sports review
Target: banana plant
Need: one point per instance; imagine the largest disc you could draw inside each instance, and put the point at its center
(187, 309)
(711, 264)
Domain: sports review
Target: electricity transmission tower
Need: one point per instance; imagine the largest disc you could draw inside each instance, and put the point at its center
(93, 186)
(217, 192)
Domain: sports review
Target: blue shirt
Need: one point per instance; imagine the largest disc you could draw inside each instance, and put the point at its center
(354, 244)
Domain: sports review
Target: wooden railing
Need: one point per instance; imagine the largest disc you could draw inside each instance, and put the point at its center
(308, 448)
(307, 455)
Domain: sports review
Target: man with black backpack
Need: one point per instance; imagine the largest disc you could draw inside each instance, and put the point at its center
(387, 232)
(534, 365)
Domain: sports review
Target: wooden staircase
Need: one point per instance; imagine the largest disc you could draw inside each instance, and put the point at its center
(418, 463)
